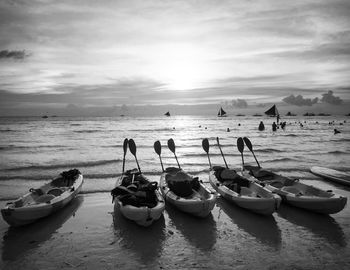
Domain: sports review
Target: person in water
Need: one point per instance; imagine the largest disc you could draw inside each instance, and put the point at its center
(274, 126)
(261, 126)
(336, 131)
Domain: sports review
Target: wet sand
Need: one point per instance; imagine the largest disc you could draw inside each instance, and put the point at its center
(89, 235)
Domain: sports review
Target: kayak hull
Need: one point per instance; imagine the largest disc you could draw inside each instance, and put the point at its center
(141, 215)
(30, 207)
(332, 175)
(199, 204)
(256, 199)
(302, 195)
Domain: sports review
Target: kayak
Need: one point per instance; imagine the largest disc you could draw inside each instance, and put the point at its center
(239, 190)
(298, 194)
(330, 174)
(137, 198)
(43, 201)
(199, 200)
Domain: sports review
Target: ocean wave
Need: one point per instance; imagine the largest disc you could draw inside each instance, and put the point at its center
(14, 147)
(88, 131)
(268, 150)
(340, 140)
(66, 165)
(280, 160)
(8, 130)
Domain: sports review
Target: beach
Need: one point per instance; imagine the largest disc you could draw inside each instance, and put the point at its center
(90, 234)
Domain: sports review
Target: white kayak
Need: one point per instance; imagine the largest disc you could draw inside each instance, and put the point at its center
(330, 174)
(244, 193)
(138, 199)
(47, 199)
(199, 201)
(298, 194)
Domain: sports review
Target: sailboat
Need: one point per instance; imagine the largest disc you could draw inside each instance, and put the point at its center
(273, 112)
(221, 113)
(167, 114)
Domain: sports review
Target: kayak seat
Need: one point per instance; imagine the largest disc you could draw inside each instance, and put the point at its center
(46, 198)
(293, 190)
(55, 192)
(276, 184)
(247, 192)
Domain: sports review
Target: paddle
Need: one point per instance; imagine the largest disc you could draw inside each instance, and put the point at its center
(158, 149)
(125, 148)
(222, 154)
(171, 146)
(205, 145)
(250, 147)
(132, 148)
(240, 146)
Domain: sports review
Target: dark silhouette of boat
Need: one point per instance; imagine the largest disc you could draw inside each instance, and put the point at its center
(221, 113)
(167, 114)
(290, 114)
(273, 112)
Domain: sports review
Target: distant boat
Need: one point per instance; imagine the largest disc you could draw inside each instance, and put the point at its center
(290, 114)
(222, 113)
(44, 116)
(240, 114)
(273, 112)
(257, 114)
(308, 114)
(167, 114)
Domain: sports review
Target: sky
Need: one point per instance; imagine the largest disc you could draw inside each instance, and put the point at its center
(64, 55)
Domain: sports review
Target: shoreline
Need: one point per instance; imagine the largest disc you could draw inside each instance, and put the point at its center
(88, 234)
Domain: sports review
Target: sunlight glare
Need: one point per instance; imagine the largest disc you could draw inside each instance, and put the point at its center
(182, 67)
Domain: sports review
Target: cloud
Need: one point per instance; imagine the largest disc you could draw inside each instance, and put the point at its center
(17, 55)
(299, 100)
(239, 103)
(331, 99)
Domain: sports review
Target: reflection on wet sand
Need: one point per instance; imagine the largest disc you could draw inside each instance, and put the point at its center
(146, 242)
(200, 232)
(263, 228)
(323, 226)
(18, 240)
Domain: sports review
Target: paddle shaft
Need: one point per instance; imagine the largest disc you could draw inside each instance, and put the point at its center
(178, 164)
(123, 163)
(161, 163)
(222, 154)
(209, 160)
(138, 166)
(250, 147)
(125, 147)
(257, 162)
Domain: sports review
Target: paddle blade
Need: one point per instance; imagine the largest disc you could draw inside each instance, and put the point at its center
(205, 145)
(125, 146)
(248, 143)
(157, 147)
(132, 147)
(171, 145)
(240, 144)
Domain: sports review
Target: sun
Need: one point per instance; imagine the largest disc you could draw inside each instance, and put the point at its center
(180, 66)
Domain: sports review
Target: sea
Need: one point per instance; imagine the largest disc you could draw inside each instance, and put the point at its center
(34, 150)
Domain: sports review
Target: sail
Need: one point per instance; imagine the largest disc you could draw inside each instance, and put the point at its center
(167, 114)
(272, 111)
(221, 112)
